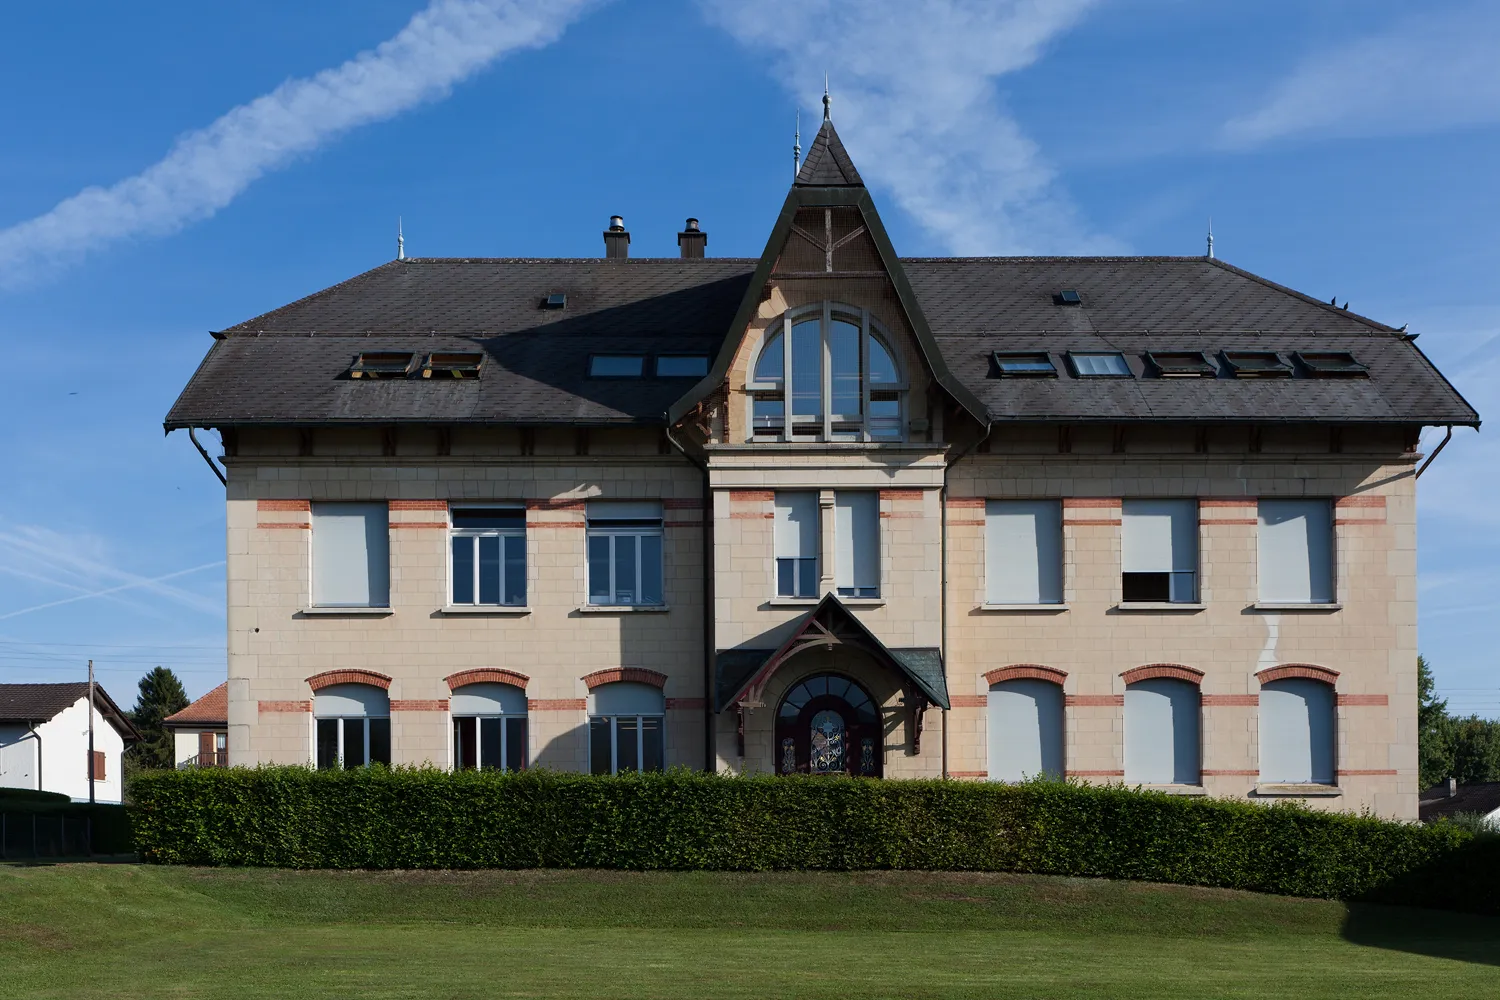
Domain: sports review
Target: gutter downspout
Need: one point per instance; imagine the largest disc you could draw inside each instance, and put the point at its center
(194, 438)
(943, 583)
(710, 746)
(1435, 452)
(31, 732)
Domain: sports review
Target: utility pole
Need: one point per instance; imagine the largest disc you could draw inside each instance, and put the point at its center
(91, 732)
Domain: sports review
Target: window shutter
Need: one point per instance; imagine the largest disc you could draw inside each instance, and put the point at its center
(1161, 536)
(1026, 730)
(1296, 551)
(1023, 552)
(1161, 733)
(857, 533)
(97, 766)
(351, 557)
(796, 525)
(1296, 732)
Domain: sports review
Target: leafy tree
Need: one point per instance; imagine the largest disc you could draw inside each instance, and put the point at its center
(1467, 749)
(161, 694)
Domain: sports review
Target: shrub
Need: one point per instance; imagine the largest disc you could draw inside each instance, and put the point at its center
(107, 827)
(295, 817)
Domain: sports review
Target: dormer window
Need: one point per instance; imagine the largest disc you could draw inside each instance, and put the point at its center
(826, 373)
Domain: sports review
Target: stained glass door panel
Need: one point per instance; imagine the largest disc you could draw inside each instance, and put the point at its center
(829, 746)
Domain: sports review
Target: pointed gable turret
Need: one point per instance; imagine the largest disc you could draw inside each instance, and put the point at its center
(828, 163)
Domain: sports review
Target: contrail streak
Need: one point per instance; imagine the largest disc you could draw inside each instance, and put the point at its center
(110, 590)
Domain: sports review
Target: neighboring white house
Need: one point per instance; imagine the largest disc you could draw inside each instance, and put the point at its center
(44, 740)
(1481, 798)
(200, 731)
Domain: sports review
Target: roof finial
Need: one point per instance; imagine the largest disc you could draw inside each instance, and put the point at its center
(797, 147)
(1210, 237)
(827, 103)
(400, 241)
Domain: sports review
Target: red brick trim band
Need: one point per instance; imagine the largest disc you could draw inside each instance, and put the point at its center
(751, 496)
(1106, 522)
(1364, 700)
(909, 495)
(419, 524)
(1172, 671)
(1242, 521)
(685, 704)
(419, 505)
(750, 515)
(1309, 671)
(965, 524)
(1094, 774)
(965, 503)
(283, 706)
(562, 504)
(419, 705)
(1229, 701)
(1365, 774)
(283, 505)
(1094, 700)
(1026, 672)
(556, 524)
(634, 675)
(968, 774)
(1229, 774)
(969, 700)
(352, 675)
(283, 524)
(1228, 502)
(683, 504)
(1359, 520)
(557, 704)
(1075, 503)
(1361, 500)
(486, 675)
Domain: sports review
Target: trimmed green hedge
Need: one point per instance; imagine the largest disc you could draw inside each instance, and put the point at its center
(293, 817)
(108, 825)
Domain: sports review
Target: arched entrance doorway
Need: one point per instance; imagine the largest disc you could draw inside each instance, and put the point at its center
(828, 724)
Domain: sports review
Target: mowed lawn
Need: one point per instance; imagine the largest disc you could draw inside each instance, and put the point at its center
(87, 930)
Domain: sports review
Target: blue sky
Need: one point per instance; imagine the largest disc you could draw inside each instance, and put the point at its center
(1345, 148)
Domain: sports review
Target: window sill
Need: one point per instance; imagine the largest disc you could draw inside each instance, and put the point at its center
(863, 602)
(1281, 606)
(1189, 790)
(1159, 606)
(622, 609)
(792, 602)
(484, 609)
(1041, 609)
(1300, 791)
(347, 612)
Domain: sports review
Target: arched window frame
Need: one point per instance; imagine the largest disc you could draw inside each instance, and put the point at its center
(833, 427)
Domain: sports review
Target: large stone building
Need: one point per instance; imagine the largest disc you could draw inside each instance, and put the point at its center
(1141, 519)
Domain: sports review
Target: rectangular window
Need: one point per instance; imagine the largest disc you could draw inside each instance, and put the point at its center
(625, 552)
(856, 523)
(489, 555)
(352, 742)
(490, 742)
(623, 743)
(350, 555)
(1099, 364)
(1023, 552)
(796, 542)
(1296, 551)
(681, 365)
(617, 365)
(1159, 551)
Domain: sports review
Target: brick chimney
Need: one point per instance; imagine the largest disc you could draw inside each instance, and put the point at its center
(616, 239)
(692, 240)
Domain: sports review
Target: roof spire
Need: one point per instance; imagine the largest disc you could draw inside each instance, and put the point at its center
(827, 103)
(797, 146)
(400, 241)
(1210, 237)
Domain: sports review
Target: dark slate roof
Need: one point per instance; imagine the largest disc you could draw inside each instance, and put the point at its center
(827, 163)
(1479, 797)
(41, 702)
(288, 366)
(210, 710)
(976, 306)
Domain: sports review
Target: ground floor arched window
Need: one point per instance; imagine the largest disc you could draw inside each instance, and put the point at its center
(353, 726)
(626, 723)
(1162, 732)
(1297, 732)
(1026, 730)
(489, 726)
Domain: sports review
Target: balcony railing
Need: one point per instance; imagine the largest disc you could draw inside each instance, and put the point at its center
(215, 758)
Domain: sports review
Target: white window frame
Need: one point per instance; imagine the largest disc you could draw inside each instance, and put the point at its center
(849, 589)
(613, 533)
(505, 721)
(776, 536)
(1325, 504)
(640, 740)
(869, 328)
(312, 555)
(504, 535)
(365, 729)
(1191, 510)
(992, 559)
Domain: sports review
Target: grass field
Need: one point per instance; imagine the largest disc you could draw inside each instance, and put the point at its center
(94, 931)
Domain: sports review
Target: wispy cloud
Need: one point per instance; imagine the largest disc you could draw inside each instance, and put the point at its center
(914, 84)
(442, 45)
(1428, 72)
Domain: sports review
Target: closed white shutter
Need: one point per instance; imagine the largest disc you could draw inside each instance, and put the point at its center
(351, 555)
(1161, 536)
(1296, 732)
(857, 553)
(1296, 551)
(796, 525)
(1161, 733)
(627, 698)
(1026, 730)
(1023, 552)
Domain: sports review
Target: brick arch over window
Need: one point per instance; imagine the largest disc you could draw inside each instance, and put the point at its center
(1310, 671)
(486, 675)
(353, 675)
(1171, 671)
(1026, 672)
(634, 675)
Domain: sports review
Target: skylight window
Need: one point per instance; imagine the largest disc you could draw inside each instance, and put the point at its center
(1330, 364)
(1099, 364)
(1181, 364)
(462, 364)
(382, 364)
(1024, 364)
(617, 365)
(682, 365)
(1068, 297)
(557, 300)
(1256, 364)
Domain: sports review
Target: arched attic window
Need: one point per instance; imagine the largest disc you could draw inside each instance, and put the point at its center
(833, 378)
